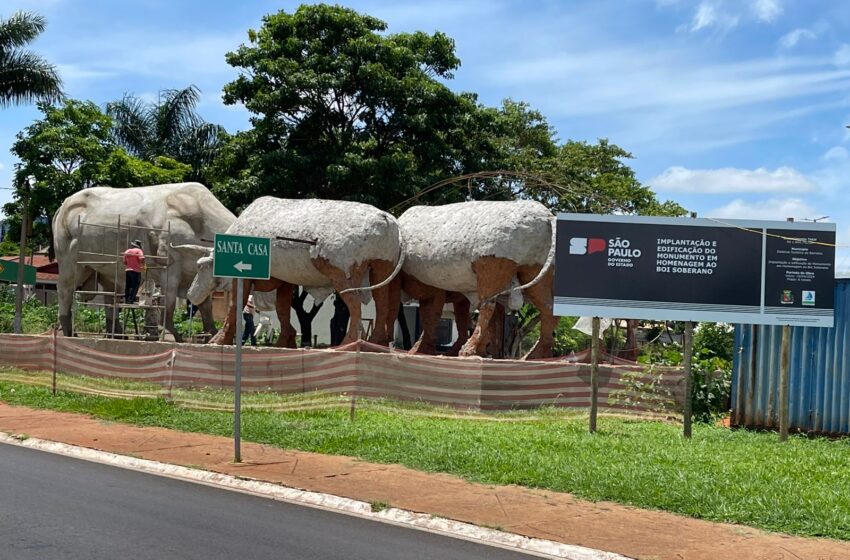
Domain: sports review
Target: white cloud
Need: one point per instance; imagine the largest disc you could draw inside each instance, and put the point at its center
(2, 167)
(790, 39)
(836, 153)
(842, 55)
(771, 209)
(710, 14)
(767, 10)
(732, 180)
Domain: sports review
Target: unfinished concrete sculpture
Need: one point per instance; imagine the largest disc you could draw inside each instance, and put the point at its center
(355, 244)
(485, 251)
(191, 209)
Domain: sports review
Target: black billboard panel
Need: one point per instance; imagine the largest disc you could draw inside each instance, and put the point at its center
(702, 269)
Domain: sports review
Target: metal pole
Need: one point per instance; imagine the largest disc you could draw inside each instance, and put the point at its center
(689, 377)
(19, 288)
(594, 373)
(784, 367)
(237, 387)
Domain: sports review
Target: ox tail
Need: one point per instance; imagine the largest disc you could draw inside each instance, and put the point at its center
(550, 260)
(402, 252)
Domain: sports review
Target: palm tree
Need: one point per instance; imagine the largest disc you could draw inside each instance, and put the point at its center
(169, 127)
(24, 76)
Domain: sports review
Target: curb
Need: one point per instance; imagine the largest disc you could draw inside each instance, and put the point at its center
(338, 504)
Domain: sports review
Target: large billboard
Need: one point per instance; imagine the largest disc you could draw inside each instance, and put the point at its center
(695, 269)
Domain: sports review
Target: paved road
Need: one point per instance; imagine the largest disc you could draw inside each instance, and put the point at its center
(58, 507)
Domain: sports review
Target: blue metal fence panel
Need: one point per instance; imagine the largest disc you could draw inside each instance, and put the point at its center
(819, 382)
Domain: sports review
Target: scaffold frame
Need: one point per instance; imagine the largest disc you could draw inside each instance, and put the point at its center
(151, 296)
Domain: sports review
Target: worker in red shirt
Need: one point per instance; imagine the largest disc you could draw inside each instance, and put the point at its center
(134, 261)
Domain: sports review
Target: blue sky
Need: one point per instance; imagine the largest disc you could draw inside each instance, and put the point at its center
(733, 108)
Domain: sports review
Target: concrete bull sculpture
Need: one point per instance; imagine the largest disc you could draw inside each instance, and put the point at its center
(192, 212)
(484, 251)
(355, 244)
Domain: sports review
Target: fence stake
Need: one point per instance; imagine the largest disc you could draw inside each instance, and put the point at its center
(687, 358)
(356, 377)
(54, 360)
(784, 367)
(594, 373)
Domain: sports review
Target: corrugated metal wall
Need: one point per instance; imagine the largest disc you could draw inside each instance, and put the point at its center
(819, 390)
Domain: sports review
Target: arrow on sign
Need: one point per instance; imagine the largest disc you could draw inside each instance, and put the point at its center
(242, 267)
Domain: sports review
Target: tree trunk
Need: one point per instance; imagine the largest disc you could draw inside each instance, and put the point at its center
(305, 318)
(406, 342)
(339, 321)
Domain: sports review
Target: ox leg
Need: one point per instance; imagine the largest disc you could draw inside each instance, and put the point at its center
(342, 281)
(493, 276)
(65, 291)
(206, 311)
(283, 306)
(380, 270)
(462, 320)
(393, 305)
(431, 301)
(228, 329)
(170, 304)
(542, 297)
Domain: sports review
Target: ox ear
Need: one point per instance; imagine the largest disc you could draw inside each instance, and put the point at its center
(192, 252)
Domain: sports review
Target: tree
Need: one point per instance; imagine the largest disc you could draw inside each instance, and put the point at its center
(70, 149)
(170, 127)
(24, 76)
(341, 110)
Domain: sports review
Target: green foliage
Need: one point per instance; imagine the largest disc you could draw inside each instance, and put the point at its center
(70, 149)
(24, 76)
(567, 339)
(598, 180)
(711, 390)
(800, 487)
(711, 365)
(644, 389)
(714, 340)
(167, 128)
(124, 170)
(9, 247)
(342, 110)
(35, 319)
(661, 354)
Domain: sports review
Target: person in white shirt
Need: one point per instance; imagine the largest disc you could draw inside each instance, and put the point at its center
(248, 316)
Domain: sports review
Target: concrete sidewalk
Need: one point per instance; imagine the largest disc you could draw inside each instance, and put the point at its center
(536, 513)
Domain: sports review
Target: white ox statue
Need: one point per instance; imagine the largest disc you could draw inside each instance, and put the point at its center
(192, 212)
(485, 251)
(355, 244)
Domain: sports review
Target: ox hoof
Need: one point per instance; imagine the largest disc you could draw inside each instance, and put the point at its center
(538, 352)
(423, 349)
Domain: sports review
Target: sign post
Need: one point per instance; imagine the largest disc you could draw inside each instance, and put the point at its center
(240, 257)
(594, 373)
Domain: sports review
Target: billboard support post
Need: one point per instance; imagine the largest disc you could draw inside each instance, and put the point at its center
(687, 363)
(784, 371)
(594, 373)
(784, 366)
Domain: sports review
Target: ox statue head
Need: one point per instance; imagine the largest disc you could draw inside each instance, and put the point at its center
(204, 283)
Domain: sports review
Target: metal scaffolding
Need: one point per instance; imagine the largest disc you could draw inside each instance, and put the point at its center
(150, 298)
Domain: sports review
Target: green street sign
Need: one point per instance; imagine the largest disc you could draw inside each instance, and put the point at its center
(9, 272)
(241, 256)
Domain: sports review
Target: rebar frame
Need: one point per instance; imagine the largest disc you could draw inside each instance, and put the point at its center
(116, 259)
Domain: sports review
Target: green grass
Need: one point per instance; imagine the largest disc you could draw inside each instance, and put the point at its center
(800, 487)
